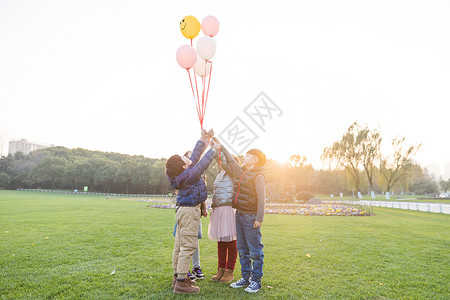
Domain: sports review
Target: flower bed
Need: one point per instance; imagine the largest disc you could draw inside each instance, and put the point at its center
(317, 210)
(327, 209)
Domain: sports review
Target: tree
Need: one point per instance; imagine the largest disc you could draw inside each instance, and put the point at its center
(142, 174)
(72, 172)
(346, 154)
(425, 184)
(50, 169)
(106, 173)
(297, 161)
(369, 147)
(392, 167)
(300, 174)
(4, 180)
(6, 162)
(330, 182)
(125, 172)
(158, 178)
(411, 173)
(444, 185)
(24, 179)
(85, 172)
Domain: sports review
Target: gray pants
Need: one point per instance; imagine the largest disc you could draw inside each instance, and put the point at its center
(196, 255)
(196, 258)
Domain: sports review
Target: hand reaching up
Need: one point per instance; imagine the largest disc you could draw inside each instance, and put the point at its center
(210, 134)
(215, 143)
(206, 136)
(203, 134)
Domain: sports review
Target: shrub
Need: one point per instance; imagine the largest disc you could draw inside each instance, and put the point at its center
(304, 196)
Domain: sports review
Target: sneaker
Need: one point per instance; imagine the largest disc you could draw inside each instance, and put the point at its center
(253, 287)
(198, 273)
(240, 283)
(190, 275)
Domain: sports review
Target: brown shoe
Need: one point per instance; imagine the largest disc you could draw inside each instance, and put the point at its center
(184, 287)
(191, 282)
(227, 276)
(174, 280)
(218, 275)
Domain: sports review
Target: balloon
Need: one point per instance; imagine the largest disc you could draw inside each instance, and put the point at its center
(210, 26)
(206, 47)
(190, 27)
(186, 56)
(202, 68)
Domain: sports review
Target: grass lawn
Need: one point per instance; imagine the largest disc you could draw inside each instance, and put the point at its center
(66, 246)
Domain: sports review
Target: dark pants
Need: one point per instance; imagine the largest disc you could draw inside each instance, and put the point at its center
(249, 246)
(227, 253)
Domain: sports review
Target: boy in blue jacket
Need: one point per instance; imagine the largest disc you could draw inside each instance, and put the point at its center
(184, 174)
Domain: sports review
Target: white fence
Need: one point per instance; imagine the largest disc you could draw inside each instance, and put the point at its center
(430, 207)
(92, 193)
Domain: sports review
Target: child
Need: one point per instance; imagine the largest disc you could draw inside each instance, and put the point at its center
(249, 202)
(197, 272)
(222, 224)
(184, 175)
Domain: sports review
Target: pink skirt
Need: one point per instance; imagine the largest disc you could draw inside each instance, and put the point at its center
(222, 224)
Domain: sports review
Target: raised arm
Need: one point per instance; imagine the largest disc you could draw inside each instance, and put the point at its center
(197, 152)
(197, 170)
(233, 165)
(224, 163)
(201, 145)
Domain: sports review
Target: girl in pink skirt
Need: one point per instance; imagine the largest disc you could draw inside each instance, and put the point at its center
(222, 225)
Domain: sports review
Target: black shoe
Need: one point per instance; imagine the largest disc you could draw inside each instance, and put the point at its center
(198, 273)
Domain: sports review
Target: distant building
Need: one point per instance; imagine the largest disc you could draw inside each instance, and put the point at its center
(24, 146)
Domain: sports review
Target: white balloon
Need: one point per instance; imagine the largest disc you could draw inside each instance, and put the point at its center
(202, 68)
(206, 47)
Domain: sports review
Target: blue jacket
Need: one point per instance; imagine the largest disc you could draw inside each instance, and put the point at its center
(189, 183)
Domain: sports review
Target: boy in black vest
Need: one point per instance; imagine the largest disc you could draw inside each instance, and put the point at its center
(249, 203)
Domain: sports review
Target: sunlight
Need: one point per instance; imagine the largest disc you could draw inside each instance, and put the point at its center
(279, 156)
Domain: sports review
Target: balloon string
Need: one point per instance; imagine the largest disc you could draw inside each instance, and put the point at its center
(196, 104)
(219, 158)
(209, 82)
(203, 97)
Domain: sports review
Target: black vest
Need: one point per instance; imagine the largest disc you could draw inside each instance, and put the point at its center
(246, 200)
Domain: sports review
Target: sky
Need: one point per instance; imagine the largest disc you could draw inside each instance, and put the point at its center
(102, 75)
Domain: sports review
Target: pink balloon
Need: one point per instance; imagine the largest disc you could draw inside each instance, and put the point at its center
(210, 26)
(186, 56)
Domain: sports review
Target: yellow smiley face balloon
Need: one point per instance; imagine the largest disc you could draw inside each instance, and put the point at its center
(190, 27)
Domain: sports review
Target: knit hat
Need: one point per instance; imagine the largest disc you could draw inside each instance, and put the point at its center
(174, 166)
(261, 156)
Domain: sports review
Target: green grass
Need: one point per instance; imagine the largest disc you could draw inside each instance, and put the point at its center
(396, 254)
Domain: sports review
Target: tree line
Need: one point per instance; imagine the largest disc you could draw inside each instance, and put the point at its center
(356, 164)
